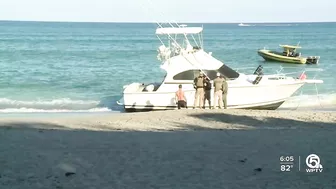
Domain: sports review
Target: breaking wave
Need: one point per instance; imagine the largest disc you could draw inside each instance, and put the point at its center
(57, 105)
(31, 110)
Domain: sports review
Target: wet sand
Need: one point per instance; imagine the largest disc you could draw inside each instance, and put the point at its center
(168, 149)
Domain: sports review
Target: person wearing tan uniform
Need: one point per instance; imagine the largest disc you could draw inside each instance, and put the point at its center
(225, 91)
(199, 94)
(218, 92)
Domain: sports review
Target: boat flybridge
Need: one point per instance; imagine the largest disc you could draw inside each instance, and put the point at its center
(183, 57)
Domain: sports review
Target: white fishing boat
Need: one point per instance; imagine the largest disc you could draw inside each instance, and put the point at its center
(183, 57)
(241, 24)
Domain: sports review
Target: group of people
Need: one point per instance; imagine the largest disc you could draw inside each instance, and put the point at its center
(203, 88)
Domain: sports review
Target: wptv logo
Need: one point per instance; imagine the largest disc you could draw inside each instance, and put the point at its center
(314, 164)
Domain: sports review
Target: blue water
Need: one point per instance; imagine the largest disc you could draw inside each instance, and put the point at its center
(82, 67)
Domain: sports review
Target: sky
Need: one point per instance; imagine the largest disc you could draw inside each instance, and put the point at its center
(200, 11)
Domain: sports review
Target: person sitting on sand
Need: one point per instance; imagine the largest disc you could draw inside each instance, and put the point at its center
(180, 98)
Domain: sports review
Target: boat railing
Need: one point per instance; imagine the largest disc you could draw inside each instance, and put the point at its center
(282, 71)
(253, 68)
(244, 68)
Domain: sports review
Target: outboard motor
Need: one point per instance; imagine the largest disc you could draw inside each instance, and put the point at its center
(313, 60)
(258, 71)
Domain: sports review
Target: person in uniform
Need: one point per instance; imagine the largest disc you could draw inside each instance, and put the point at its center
(199, 94)
(207, 92)
(180, 98)
(225, 91)
(218, 92)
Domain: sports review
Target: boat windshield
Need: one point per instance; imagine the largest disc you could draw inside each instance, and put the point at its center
(228, 72)
(224, 70)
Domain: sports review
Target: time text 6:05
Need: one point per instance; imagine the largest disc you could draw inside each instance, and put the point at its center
(287, 158)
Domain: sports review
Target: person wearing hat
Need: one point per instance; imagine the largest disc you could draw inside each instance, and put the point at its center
(199, 94)
(218, 91)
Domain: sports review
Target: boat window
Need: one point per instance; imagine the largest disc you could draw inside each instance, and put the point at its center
(212, 74)
(186, 75)
(228, 72)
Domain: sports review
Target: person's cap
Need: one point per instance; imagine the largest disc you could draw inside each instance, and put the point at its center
(218, 74)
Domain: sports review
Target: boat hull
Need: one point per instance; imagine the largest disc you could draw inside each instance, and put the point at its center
(268, 106)
(267, 97)
(270, 56)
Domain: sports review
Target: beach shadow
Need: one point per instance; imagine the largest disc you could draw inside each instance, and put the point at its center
(256, 122)
(30, 125)
(44, 155)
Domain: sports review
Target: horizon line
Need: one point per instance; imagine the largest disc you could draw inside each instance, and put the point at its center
(151, 22)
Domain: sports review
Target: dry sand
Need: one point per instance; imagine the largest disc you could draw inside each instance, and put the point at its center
(169, 149)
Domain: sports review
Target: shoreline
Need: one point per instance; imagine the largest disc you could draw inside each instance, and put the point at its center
(119, 111)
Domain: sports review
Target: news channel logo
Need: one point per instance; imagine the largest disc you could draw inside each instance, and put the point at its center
(313, 163)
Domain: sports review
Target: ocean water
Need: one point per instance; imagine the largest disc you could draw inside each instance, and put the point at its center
(82, 67)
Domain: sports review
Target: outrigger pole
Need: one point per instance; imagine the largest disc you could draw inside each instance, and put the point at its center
(170, 37)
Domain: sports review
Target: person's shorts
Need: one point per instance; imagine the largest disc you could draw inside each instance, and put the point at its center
(182, 103)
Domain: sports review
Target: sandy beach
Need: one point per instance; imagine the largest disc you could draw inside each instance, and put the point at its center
(168, 149)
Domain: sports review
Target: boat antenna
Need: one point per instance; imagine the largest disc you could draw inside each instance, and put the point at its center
(150, 2)
(160, 25)
(170, 37)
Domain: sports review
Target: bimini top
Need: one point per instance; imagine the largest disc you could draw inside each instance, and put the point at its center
(184, 30)
(290, 46)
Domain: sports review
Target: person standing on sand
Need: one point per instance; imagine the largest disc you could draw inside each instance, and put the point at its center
(180, 98)
(207, 92)
(225, 91)
(218, 93)
(199, 94)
